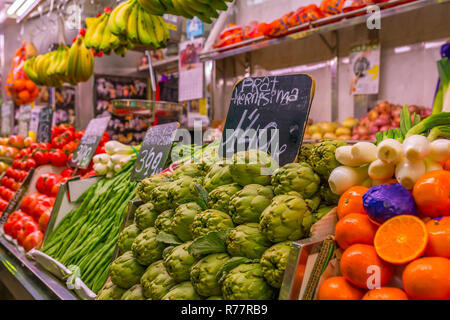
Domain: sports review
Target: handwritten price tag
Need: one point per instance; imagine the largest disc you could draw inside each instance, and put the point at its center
(89, 142)
(45, 125)
(154, 151)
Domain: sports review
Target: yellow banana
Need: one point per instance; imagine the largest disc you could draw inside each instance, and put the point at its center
(106, 39)
(121, 18)
(97, 37)
(159, 26)
(90, 29)
(144, 36)
(72, 63)
(112, 25)
(132, 24)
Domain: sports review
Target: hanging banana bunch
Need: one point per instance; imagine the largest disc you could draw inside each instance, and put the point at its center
(64, 65)
(203, 9)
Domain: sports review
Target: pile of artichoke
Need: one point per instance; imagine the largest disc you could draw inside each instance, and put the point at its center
(221, 231)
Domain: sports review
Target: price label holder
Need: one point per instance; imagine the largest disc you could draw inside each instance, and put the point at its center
(270, 114)
(14, 202)
(154, 151)
(24, 120)
(89, 142)
(45, 125)
(7, 119)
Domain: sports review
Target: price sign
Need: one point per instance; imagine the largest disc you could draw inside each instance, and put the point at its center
(89, 142)
(270, 114)
(7, 108)
(154, 151)
(13, 203)
(45, 125)
(24, 120)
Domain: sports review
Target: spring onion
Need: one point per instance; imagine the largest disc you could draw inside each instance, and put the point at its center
(416, 147)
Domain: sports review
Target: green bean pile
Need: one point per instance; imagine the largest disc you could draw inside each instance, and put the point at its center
(87, 236)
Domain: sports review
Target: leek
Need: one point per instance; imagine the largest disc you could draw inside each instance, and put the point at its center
(435, 120)
(444, 75)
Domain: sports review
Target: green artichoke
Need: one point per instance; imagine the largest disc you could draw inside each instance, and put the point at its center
(210, 220)
(274, 262)
(146, 186)
(219, 198)
(182, 291)
(160, 198)
(127, 236)
(164, 221)
(191, 169)
(145, 247)
(203, 274)
(313, 203)
(110, 292)
(182, 220)
(287, 218)
(322, 158)
(217, 176)
(298, 177)
(145, 216)
(161, 285)
(153, 270)
(134, 293)
(183, 189)
(251, 167)
(126, 271)
(327, 195)
(305, 152)
(246, 282)
(179, 262)
(247, 241)
(248, 204)
(215, 298)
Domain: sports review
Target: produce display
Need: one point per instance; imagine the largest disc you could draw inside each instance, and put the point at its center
(64, 65)
(216, 230)
(86, 237)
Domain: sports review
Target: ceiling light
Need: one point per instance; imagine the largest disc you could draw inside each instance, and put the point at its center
(13, 8)
(24, 8)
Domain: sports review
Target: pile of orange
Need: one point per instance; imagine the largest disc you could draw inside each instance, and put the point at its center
(371, 252)
(18, 86)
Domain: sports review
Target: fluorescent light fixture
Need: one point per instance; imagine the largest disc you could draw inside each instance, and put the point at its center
(24, 8)
(346, 60)
(402, 49)
(13, 8)
(303, 68)
(435, 44)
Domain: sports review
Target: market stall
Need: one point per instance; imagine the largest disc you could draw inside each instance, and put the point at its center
(284, 152)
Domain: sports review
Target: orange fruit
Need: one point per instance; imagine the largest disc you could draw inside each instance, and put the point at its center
(401, 239)
(351, 201)
(431, 193)
(24, 95)
(29, 85)
(427, 279)
(354, 228)
(337, 288)
(361, 266)
(19, 85)
(385, 293)
(438, 238)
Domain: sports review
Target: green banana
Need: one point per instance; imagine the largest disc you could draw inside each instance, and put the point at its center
(121, 18)
(96, 39)
(159, 30)
(152, 7)
(106, 39)
(144, 36)
(218, 5)
(73, 60)
(121, 51)
(112, 25)
(180, 9)
(132, 24)
(170, 7)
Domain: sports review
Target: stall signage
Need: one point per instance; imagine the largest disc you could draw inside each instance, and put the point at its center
(269, 114)
(154, 151)
(89, 142)
(13, 203)
(45, 125)
(24, 120)
(6, 110)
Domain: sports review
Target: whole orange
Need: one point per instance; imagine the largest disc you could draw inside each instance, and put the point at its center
(354, 228)
(431, 193)
(438, 237)
(427, 279)
(361, 266)
(351, 201)
(385, 293)
(337, 288)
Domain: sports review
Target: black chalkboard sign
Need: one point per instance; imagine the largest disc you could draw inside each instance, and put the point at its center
(14, 202)
(154, 151)
(89, 142)
(44, 131)
(270, 114)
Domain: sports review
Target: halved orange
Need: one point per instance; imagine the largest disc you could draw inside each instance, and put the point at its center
(401, 239)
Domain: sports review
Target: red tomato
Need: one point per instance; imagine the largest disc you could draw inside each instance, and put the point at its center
(3, 205)
(29, 227)
(58, 158)
(33, 240)
(67, 173)
(43, 221)
(30, 163)
(12, 219)
(38, 210)
(16, 164)
(16, 227)
(40, 158)
(8, 194)
(48, 202)
(34, 146)
(79, 134)
(27, 203)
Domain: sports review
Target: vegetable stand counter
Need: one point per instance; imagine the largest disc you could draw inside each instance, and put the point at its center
(25, 280)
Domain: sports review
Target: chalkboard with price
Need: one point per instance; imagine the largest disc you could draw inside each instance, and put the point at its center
(45, 125)
(154, 151)
(89, 142)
